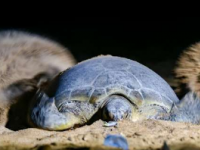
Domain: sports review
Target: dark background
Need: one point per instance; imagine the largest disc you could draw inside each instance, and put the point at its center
(156, 44)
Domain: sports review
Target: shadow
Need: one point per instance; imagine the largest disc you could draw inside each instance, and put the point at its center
(97, 116)
(17, 115)
(22, 92)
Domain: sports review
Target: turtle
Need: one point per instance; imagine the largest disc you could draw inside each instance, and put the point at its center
(117, 87)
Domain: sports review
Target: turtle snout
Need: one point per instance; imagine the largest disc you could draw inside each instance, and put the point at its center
(117, 115)
(117, 108)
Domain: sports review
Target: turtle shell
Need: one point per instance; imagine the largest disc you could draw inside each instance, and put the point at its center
(95, 79)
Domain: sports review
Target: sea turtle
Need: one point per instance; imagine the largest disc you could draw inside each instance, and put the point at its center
(118, 87)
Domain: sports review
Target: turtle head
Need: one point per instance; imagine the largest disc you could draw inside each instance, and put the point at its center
(116, 108)
(45, 114)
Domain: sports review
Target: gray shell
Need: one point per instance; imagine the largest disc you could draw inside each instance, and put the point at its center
(95, 79)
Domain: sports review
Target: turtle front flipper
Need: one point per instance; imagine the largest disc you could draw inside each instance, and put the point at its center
(188, 110)
(44, 114)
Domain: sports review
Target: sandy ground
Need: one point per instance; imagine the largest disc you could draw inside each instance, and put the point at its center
(141, 135)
